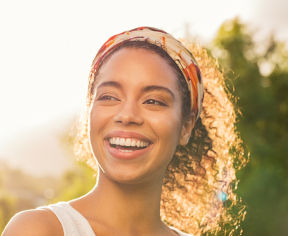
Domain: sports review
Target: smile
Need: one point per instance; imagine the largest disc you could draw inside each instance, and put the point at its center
(127, 147)
(127, 142)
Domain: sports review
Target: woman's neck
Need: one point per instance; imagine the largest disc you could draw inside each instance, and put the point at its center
(130, 208)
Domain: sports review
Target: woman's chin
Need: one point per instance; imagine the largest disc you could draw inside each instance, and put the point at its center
(126, 177)
(130, 176)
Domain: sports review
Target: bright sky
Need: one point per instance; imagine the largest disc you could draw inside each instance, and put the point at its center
(46, 47)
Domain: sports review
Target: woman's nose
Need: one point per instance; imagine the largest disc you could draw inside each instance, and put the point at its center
(128, 114)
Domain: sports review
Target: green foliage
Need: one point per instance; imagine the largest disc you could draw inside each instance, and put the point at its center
(76, 183)
(20, 191)
(258, 78)
(7, 210)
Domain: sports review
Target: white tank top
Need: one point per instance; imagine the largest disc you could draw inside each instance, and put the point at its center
(75, 224)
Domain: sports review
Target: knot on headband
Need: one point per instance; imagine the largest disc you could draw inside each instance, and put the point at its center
(176, 50)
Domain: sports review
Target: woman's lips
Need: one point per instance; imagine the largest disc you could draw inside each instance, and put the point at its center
(125, 150)
(121, 151)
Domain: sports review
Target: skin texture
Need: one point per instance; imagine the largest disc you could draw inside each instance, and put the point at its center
(126, 198)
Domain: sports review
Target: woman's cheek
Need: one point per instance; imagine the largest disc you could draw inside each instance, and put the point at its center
(168, 124)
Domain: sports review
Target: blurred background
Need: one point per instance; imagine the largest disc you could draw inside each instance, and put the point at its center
(46, 49)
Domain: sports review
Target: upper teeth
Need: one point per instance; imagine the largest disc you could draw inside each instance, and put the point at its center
(128, 142)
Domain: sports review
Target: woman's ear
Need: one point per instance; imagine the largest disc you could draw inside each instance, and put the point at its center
(186, 130)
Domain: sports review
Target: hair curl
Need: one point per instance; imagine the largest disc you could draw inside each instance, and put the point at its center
(197, 193)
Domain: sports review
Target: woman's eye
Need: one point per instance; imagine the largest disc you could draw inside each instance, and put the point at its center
(105, 97)
(154, 102)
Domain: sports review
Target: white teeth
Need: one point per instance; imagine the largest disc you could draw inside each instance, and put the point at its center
(138, 143)
(133, 144)
(122, 141)
(128, 142)
(117, 142)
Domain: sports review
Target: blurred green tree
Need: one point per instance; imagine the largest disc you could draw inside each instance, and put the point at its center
(81, 179)
(258, 79)
(75, 183)
(7, 209)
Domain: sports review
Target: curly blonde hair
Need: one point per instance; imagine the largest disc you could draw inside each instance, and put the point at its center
(197, 193)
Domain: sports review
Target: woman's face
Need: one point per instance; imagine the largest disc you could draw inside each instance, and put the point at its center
(137, 103)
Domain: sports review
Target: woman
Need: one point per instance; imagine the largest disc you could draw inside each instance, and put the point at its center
(159, 164)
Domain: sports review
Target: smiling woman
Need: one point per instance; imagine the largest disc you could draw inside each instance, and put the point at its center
(163, 167)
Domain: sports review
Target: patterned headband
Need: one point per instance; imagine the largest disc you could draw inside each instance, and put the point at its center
(180, 54)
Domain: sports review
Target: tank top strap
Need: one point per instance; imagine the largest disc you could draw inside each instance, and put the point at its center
(179, 232)
(73, 223)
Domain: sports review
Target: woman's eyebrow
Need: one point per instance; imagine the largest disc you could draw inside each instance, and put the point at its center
(157, 88)
(110, 84)
(143, 90)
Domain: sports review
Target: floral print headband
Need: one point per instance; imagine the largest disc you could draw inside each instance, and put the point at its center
(176, 50)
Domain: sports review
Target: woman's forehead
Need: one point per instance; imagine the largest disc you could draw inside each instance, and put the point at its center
(127, 54)
(137, 64)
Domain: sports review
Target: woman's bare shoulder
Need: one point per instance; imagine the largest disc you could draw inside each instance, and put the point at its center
(40, 222)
